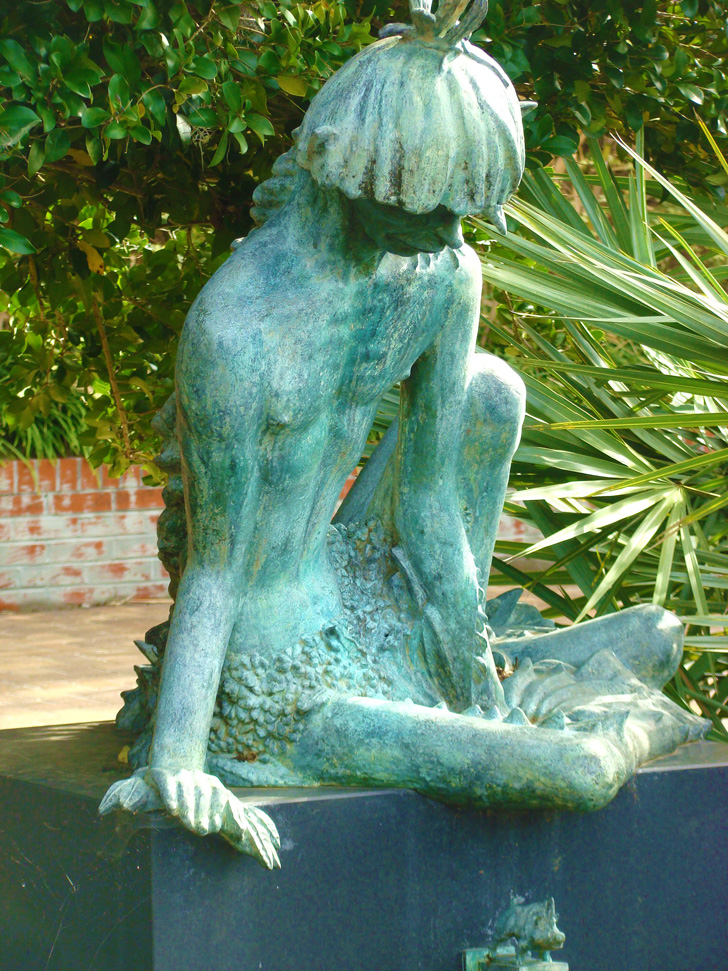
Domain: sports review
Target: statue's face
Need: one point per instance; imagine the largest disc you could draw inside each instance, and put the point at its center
(406, 233)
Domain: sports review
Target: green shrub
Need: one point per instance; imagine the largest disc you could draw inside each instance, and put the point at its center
(616, 316)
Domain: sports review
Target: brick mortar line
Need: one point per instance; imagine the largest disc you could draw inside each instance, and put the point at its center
(78, 541)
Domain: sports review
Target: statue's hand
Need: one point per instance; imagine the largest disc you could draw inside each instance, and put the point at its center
(202, 804)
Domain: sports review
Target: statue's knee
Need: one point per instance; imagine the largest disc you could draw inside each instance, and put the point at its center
(497, 400)
(660, 635)
(595, 775)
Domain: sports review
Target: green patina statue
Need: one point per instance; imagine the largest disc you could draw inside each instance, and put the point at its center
(301, 652)
(524, 935)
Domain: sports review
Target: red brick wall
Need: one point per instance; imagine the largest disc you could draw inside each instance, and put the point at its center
(70, 535)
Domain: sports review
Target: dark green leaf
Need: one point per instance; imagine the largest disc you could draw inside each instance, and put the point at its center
(221, 150)
(202, 117)
(155, 104)
(261, 126)
(204, 67)
(149, 17)
(15, 242)
(91, 117)
(241, 140)
(93, 9)
(559, 145)
(15, 122)
(246, 63)
(94, 149)
(634, 113)
(192, 86)
(233, 96)
(17, 58)
(11, 197)
(36, 157)
(141, 134)
(230, 16)
(115, 130)
(692, 92)
(57, 144)
(119, 92)
(77, 83)
(122, 60)
(49, 119)
(120, 11)
(268, 62)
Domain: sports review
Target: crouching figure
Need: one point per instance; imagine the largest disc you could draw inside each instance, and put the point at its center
(304, 652)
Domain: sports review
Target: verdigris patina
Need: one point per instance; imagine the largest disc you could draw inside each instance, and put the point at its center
(524, 936)
(300, 652)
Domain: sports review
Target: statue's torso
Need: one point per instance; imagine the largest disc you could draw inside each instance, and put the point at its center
(322, 334)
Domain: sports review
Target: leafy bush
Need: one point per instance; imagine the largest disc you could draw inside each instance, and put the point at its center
(596, 66)
(133, 133)
(624, 459)
(132, 137)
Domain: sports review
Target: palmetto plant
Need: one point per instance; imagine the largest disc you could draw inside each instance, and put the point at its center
(616, 315)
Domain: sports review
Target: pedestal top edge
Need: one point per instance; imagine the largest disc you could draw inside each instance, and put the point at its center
(83, 758)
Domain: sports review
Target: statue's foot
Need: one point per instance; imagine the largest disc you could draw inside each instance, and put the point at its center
(202, 804)
(602, 695)
(646, 639)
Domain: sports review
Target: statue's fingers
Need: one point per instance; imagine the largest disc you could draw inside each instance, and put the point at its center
(255, 839)
(133, 795)
(261, 833)
(166, 785)
(218, 800)
(186, 793)
(203, 793)
(113, 798)
(261, 820)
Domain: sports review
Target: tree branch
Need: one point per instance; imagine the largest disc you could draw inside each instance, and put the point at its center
(123, 421)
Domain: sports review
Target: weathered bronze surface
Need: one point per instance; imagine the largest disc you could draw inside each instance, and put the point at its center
(304, 653)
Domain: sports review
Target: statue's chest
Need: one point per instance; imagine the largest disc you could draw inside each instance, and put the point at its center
(398, 314)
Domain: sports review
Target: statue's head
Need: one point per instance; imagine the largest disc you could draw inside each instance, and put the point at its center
(421, 120)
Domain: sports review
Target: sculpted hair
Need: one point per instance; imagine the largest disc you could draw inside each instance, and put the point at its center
(419, 119)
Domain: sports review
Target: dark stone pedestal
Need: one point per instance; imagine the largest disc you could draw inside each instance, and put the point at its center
(371, 880)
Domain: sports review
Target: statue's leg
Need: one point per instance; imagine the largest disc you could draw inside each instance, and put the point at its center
(647, 639)
(459, 759)
(496, 406)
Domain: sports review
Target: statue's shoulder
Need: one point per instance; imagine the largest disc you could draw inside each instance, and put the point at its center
(468, 262)
(465, 275)
(455, 268)
(254, 270)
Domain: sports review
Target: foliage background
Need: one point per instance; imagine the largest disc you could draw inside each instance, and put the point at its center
(133, 132)
(612, 304)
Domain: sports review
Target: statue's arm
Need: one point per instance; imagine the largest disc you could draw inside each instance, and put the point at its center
(217, 427)
(428, 517)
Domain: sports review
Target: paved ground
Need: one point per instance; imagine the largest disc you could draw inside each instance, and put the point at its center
(60, 667)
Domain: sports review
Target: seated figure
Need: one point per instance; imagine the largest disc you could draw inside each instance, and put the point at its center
(301, 652)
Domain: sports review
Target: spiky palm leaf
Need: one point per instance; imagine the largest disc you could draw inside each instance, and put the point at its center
(616, 315)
